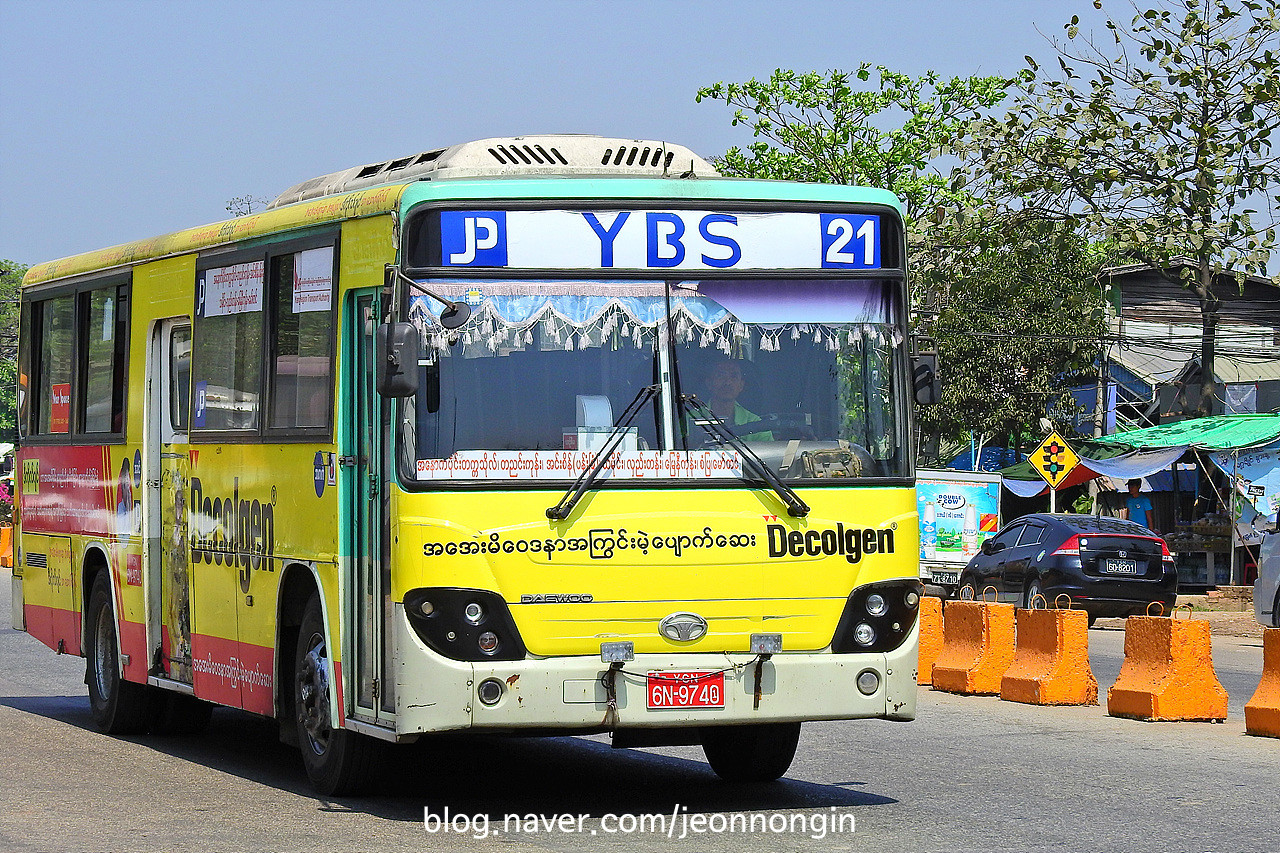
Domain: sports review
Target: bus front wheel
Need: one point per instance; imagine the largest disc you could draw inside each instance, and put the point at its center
(118, 707)
(753, 753)
(337, 761)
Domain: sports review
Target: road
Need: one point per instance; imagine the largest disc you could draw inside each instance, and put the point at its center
(970, 774)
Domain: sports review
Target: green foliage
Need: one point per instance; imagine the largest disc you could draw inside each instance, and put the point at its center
(1013, 321)
(1157, 139)
(1010, 315)
(11, 274)
(825, 128)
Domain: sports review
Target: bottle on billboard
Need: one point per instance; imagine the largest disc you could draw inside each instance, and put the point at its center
(969, 534)
(929, 533)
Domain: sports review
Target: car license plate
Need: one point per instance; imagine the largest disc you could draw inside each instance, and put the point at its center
(686, 689)
(1120, 567)
(945, 577)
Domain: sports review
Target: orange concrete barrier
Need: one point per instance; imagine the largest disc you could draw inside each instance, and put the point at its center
(1051, 660)
(1167, 672)
(6, 547)
(1262, 714)
(977, 647)
(930, 637)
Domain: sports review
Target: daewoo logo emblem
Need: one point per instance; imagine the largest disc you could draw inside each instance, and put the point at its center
(1124, 553)
(683, 627)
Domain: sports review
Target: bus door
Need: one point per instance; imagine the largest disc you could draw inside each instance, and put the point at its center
(168, 468)
(369, 571)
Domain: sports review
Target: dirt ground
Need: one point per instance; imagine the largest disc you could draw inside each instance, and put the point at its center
(1225, 617)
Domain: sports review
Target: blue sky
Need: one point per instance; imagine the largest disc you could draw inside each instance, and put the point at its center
(126, 119)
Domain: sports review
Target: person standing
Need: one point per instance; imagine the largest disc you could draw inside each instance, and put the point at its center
(1138, 506)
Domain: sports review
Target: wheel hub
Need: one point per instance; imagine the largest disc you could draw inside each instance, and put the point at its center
(313, 695)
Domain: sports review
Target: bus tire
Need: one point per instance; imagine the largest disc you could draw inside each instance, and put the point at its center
(118, 707)
(753, 753)
(337, 761)
(178, 714)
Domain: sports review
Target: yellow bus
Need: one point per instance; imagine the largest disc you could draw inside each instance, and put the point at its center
(534, 435)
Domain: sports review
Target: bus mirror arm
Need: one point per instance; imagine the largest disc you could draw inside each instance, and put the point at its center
(454, 313)
(398, 347)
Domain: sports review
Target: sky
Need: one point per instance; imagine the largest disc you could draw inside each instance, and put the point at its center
(127, 119)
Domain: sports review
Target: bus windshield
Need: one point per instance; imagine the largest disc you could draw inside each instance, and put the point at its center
(807, 372)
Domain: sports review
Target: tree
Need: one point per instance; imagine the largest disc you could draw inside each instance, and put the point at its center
(1157, 141)
(1016, 323)
(11, 274)
(817, 127)
(243, 205)
(1009, 319)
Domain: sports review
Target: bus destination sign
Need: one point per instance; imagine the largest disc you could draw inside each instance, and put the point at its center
(658, 240)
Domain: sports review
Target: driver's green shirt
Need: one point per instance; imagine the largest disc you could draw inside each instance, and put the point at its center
(743, 416)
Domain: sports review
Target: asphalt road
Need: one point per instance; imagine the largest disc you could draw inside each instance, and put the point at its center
(970, 774)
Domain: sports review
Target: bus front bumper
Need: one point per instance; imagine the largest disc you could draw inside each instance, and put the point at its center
(572, 694)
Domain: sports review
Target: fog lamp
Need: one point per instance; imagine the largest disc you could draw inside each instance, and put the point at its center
(876, 605)
(488, 642)
(473, 612)
(489, 691)
(868, 682)
(864, 634)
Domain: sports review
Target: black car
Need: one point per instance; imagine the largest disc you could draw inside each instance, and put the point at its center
(1107, 566)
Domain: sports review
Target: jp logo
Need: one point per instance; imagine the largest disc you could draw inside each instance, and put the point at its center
(474, 238)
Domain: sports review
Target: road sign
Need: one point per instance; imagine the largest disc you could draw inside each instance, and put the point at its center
(1054, 460)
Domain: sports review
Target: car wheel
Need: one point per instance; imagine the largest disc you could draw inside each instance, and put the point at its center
(338, 761)
(118, 707)
(753, 753)
(1275, 610)
(968, 590)
(1034, 592)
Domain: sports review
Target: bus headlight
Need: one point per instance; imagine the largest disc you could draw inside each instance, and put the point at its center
(878, 617)
(464, 624)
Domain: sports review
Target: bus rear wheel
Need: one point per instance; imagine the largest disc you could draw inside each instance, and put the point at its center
(118, 707)
(754, 753)
(337, 761)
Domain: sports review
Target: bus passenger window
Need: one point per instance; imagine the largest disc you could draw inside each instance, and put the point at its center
(54, 368)
(227, 357)
(103, 368)
(302, 339)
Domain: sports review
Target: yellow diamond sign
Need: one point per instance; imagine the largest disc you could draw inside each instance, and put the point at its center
(1053, 459)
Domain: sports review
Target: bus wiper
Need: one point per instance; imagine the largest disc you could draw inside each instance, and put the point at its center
(704, 417)
(588, 478)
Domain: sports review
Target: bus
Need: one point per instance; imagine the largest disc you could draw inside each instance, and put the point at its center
(540, 435)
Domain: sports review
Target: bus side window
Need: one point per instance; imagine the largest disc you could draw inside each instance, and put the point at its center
(54, 364)
(302, 340)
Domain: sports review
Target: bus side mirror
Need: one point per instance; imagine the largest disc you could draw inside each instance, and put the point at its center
(925, 383)
(398, 348)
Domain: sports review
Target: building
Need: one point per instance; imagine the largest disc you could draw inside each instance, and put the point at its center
(1154, 362)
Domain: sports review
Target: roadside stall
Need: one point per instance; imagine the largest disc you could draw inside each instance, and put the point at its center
(1213, 535)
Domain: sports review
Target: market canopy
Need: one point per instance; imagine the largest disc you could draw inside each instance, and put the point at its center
(1143, 452)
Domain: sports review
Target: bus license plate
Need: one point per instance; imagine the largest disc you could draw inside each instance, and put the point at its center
(1120, 567)
(686, 689)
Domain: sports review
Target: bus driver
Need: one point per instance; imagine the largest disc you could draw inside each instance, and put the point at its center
(725, 381)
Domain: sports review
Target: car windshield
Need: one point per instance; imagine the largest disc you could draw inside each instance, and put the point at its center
(807, 372)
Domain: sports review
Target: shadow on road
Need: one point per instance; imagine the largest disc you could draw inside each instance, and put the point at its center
(478, 775)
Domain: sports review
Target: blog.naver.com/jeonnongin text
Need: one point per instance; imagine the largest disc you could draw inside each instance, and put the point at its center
(676, 824)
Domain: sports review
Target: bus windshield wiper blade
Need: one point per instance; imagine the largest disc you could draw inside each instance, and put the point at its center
(587, 478)
(704, 417)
